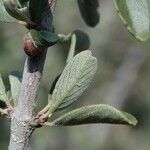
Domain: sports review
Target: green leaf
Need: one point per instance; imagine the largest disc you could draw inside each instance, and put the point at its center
(23, 1)
(37, 8)
(73, 81)
(4, 16)
(44, 38)
(135, 14)
(9, 96)
(72, 49)
(95, 114)
(89, 11)
(54, 84)
(15, 85)
(83, 41)
(3, 96)
(13, 10)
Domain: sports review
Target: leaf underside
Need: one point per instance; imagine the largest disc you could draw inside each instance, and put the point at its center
(4, 16)
(75, 78)
(15, 85)
(135, 14)
(3, 96)
(95, 114)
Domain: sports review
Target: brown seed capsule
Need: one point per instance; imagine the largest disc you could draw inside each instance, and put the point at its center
(30, 47)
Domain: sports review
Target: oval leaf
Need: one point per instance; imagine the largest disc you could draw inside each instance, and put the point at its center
(15, 85)
(23, 1)
(89, 11)
(83, 40)
(73, 81)
(54, 84)
(4, 16)
(135, 14)
(44, 38)
(13, 10)
(95, 114)
(37, 8)
(3, 96)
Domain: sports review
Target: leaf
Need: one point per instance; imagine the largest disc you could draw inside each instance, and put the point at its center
(83, 41)
(135, 14)
(23, 1)
(54, 84)
(37, 8)
(17, 74)
(71, 53)
(74, 80)
(89, 11)
(15, 85)
(13, 10)
(3, 96)
(95, 114)
(44, 38)
(4, 16)
(9, 96)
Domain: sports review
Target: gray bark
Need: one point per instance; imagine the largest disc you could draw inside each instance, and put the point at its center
(24, 112)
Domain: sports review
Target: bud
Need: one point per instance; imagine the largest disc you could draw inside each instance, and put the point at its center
(30, 47)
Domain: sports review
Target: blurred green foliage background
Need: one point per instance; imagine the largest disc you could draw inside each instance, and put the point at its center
(122, 80)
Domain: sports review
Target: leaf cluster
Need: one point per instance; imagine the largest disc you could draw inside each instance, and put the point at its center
(135, 15)
(70, 84)
(80, 68)
(29, 13)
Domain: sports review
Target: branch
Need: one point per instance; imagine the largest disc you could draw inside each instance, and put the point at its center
(21, 129)
(24, 112)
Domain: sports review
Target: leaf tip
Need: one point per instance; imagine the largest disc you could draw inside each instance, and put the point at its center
(130, 119)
